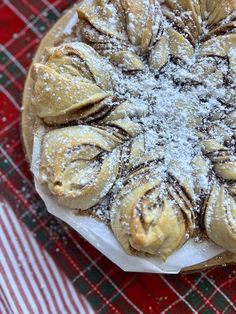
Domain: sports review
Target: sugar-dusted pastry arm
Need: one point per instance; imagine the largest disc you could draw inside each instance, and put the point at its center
(217, 11)
(126, 109)
(152, 217)
(80, 164)
(89, 113)
(220, 40)
(184, 15)
(57, 94)
(118, 52)
(143, 22)
(159, 54)
(104, 112)
(180, 37)
(105, 16)
(222, 156)
(171, 44)
(219, 206)
(84, 58)
(220, 216)
(80, 65)
(222, 46)
(103, 25)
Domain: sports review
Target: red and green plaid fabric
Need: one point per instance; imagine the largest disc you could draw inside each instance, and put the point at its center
(107, 288)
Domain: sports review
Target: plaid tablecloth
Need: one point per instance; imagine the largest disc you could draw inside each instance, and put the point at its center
(104, 285)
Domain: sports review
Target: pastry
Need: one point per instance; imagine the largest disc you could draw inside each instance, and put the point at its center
(139, 112)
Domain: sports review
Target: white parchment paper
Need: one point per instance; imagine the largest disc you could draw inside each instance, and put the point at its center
(71, 24)
(101, 237)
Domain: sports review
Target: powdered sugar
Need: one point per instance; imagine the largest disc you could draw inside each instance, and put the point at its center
(174, 110)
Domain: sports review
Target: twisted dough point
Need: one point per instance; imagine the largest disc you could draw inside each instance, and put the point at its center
(143, 21)
(220, 206)
(83, 58)
(223, 159)
(145, 222)
(62, 93)
(220, 217)
(79, 164)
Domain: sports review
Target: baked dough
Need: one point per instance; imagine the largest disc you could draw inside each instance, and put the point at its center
(115, 88)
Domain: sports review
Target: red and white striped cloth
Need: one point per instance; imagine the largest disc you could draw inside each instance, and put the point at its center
(30, 281)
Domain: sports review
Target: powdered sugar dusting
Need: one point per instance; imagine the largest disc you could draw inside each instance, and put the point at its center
(174, 112)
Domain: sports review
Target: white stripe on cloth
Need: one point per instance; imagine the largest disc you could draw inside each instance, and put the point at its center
(5, 308)
(23, 18)
(30, 281)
